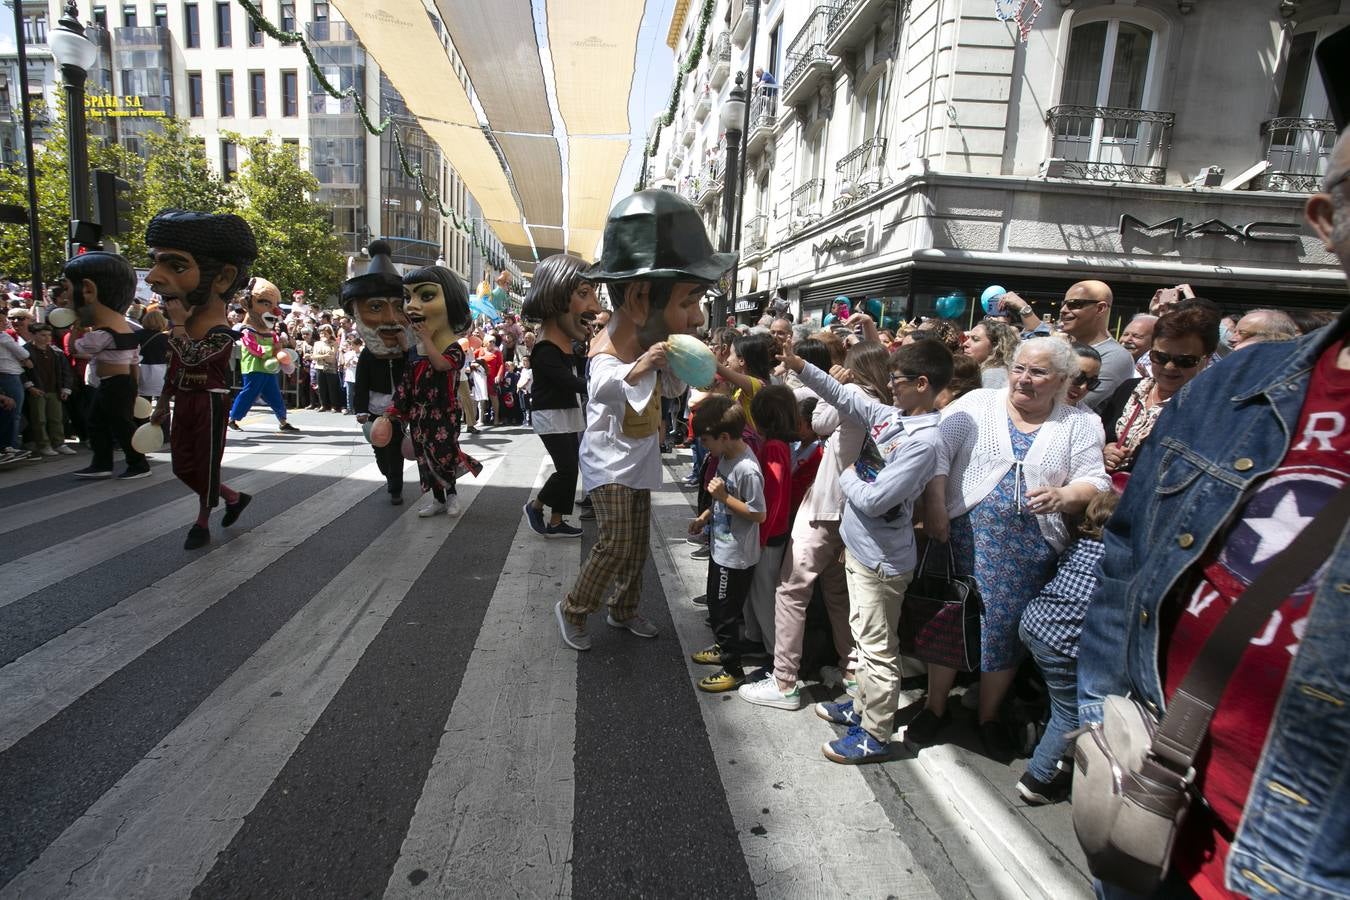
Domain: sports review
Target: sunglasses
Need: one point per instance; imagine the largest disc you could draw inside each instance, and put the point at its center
(1091, 382)
(1161, 359)
(1080, 303)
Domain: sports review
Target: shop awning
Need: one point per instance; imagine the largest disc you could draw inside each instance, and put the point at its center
(540, 170)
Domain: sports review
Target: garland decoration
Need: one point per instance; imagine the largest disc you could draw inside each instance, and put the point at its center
(467, 227)
(690, 63)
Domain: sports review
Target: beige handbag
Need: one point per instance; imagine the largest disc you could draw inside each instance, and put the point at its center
(1133, 775)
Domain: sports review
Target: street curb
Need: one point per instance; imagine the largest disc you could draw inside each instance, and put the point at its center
(1032, 862)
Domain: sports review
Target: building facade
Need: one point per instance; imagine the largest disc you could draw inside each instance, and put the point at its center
(205, 62)
(909, 150)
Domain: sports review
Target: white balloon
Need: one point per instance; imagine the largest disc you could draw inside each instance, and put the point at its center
(142, 409)
(148, 438)
(61, 317)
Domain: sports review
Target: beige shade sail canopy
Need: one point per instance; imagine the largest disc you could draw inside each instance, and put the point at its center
(535, 198)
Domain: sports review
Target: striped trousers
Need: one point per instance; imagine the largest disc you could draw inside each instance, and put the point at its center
(624, 517)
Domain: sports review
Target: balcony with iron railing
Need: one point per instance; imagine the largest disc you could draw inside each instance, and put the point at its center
(805, 203)
(806, 61)
(329, 32)
(710, 184)
(763, 115)
(853, 22)
(755, 236)
(677, 155)
(1102, 143)
(703, 105)
(861, 172)
(687, 129)
(1298, 151)
(690, 188)
(720, 60)
(742, 14)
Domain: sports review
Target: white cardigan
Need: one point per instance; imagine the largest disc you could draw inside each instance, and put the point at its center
(978, 453)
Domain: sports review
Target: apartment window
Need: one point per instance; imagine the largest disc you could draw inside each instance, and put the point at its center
(35, 28)
(161, 15)
(229, 160)
(192, 26)
(129, 16)
(196, 107)
(223, 25)
(101, 16)
(226, 94)
(867, 111)
(1108, 65)
(257, 94)
(288, 15)
(255, 34)
(290, 93)
(320, 11)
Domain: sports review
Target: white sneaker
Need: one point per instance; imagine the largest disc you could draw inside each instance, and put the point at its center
(434, 508)
(766, 693)
(66, 450)
(452, 506)
(48, 451)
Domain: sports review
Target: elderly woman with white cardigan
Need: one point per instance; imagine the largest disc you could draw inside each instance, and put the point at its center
(1016, 460)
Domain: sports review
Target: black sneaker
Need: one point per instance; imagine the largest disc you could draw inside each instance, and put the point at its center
(923, 729)
(287, 428)
(233, 425)
(396, 499)
(1038, 793)
(996, 741)
(132, 474)
(91, 472)
(700, 553)
(197, 537)
(232, 510)
(535, 516)
(563, 529)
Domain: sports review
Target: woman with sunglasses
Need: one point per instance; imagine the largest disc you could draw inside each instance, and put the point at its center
(1088, 378)
(1183, 341)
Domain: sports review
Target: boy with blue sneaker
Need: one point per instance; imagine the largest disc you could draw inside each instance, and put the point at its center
(898, 459)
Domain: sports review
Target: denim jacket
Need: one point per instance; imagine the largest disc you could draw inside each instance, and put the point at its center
(1222, 434)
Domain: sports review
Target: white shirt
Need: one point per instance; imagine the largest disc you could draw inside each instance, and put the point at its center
(608, 455)
(12, 355)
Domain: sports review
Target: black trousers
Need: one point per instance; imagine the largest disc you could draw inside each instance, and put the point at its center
(727, 590)
(390, 460)
(111, 422)
(560, 490)
(331, 393)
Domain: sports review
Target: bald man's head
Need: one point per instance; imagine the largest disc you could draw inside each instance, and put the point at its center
(1086, 311)
(1328, 211)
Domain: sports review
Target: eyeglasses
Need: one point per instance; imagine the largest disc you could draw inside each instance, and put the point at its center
(1091, 382)
(1161, 359)
(1080, 303)
(898, 376)
(1019, 370)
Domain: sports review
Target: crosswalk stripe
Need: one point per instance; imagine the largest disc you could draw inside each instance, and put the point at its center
(158, 831)
(779, 767)
(518, 693)
(42, 568)
(82, 493)
(43, 682)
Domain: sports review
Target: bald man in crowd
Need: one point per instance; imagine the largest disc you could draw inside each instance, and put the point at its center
(1085, 316)
(1262, 325)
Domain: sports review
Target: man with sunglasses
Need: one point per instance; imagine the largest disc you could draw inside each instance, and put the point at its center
(1240, 461)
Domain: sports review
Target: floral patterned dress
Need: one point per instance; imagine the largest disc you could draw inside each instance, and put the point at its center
(999, 542)
(428, 401)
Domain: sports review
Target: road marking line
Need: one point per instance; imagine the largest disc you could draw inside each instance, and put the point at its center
(502, 776)
(47, 679)
(157, 832)
(825, 833)
(43, 568)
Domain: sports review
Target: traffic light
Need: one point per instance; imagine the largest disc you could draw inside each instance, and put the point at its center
(112, 203)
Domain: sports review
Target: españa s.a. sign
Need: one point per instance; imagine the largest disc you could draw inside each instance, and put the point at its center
(119, 106)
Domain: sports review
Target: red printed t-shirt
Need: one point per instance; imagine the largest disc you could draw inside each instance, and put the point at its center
(775, 461)
(1316, 466)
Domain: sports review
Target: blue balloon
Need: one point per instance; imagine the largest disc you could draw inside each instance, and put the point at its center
(952, 306)
(992, 298)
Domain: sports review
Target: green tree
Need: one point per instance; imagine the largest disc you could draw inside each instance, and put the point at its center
(275, 194)
(178, 175)
(53, 190)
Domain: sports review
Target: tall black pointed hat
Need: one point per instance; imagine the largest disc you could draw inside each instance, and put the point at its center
(381, 278)
(656, 234)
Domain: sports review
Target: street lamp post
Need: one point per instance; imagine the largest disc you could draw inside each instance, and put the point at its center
(740, 148)
(732, 120)
(75, 54)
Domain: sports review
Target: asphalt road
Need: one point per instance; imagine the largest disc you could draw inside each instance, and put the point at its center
(337, 698)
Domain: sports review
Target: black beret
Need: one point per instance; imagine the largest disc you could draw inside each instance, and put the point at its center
(223, 237)
(381, 278)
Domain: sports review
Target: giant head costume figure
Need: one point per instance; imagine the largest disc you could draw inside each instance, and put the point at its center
(658, 263)
(375, 301)
(199, 258)
(563, 298)
(262, 305)
(101, 287)
(435, 296)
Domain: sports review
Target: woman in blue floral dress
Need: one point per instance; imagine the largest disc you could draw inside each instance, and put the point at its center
(427, 399)
(1014, 462)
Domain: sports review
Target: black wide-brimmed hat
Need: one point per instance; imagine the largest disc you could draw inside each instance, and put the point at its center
(658, 235)
(381, 278)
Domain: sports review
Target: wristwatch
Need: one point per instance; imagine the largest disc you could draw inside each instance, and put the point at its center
(1024, 311)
